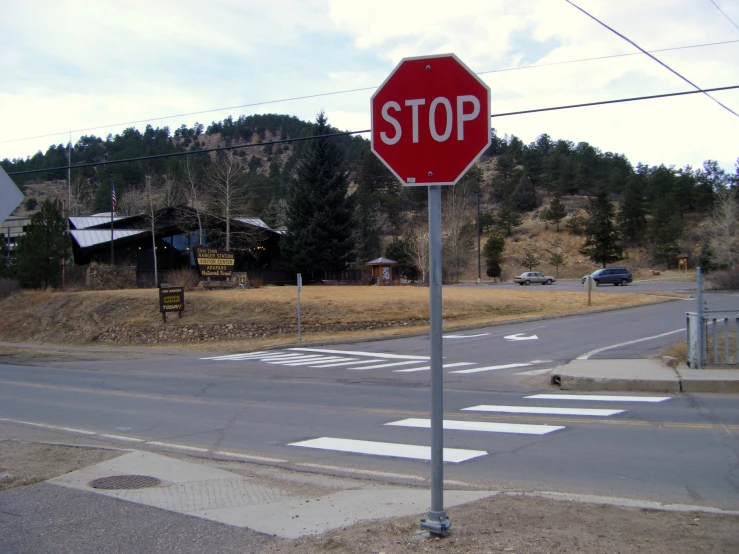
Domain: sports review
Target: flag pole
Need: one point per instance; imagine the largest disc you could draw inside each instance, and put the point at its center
(112, 212)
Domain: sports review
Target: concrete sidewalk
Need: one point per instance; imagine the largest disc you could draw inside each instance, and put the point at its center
(650, 375)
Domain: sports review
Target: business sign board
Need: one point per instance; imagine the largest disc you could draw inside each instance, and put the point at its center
(171, 299)
(214, 263)
(10, 195)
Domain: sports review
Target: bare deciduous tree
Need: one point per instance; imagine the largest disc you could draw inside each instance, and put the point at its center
(226, 198)
(173, 194)
(132, 202)
(418, 248)
(458, 229)
(723, 228)
(80, 194)
(151, 219)
(193, 189)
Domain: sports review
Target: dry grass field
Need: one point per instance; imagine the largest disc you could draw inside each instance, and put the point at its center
(327, 312)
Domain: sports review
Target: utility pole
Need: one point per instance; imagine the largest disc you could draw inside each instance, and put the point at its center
(479, 265)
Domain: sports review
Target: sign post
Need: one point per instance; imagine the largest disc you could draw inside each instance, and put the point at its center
(430, 123)
(589, 286)
(300, 288)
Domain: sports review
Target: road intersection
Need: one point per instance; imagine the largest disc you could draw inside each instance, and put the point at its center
(364, 407)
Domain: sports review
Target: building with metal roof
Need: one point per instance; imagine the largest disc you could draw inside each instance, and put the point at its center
(255, 245)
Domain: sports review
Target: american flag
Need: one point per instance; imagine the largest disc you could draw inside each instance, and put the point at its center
(112, 198)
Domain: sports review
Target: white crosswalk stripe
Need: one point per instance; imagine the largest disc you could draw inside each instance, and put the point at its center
(543, 411)
(485, 426)
(393, 450)
(355, 360)
(455, 455)
(598, 397)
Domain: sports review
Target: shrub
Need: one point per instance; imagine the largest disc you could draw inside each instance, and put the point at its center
(723, 280)
(186, 278)
(8, 287)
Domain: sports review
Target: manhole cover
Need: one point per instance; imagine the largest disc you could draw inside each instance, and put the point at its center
(125, 482)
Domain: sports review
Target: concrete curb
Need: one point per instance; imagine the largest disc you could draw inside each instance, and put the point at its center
(629, 375)
(567, 382)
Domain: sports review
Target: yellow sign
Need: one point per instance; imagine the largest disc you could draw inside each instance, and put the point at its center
(214, 263)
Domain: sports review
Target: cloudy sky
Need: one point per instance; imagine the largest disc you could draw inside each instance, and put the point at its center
(78, 65)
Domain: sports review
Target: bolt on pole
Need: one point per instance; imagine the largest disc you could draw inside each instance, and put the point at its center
(437, 522)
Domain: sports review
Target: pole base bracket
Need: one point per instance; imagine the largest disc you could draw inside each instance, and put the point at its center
(437, 523)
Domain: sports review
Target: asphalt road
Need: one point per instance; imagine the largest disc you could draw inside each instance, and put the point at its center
(682, 449)
(574, 285)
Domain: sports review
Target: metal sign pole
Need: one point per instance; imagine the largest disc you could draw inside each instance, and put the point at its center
(699, 311)
(300, 288)
(438, 522)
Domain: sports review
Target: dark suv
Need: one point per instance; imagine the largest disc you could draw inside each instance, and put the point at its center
(616, 275)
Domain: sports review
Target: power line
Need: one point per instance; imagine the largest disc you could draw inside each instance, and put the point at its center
(348, 133)
(725, 14)
(635, 45)
(322, 94)
(597, 58)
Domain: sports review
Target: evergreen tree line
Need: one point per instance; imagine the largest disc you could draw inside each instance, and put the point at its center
(271, 181)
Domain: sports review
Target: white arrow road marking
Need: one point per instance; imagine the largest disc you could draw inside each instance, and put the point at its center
(543, 410)
(489, 368)
(599, 398)
(451, 425)
(453, 455)
(519, 336)
(466, 336)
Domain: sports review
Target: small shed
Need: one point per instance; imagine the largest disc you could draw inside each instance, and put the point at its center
(382, 269)
(682, 262)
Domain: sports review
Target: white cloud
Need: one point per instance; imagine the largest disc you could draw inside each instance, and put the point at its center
(69, 64)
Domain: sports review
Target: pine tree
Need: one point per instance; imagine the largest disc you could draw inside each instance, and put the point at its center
(319, 211)
(602, 243)
(494, 247)
(376, 191)
(398, 251)
(666, 230)
(38, 257)
(508, 218)
(557, 260)
(556, 211)
(705, 258)
(530, 261)
(524, 195)
(632, 218)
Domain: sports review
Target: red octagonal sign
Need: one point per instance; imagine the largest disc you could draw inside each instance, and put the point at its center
(430, 120)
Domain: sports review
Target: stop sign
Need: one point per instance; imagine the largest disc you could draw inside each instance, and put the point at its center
(430, 120)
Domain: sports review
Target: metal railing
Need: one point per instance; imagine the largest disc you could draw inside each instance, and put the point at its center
(713, 338)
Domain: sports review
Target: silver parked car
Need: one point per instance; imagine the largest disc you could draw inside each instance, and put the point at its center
(533, 277)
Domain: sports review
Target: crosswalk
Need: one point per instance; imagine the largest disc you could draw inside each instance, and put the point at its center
(458, 455)
(352, 360)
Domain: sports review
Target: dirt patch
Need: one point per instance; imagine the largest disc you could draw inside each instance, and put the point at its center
(28, 463)
(528, 524)
(131, 317)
